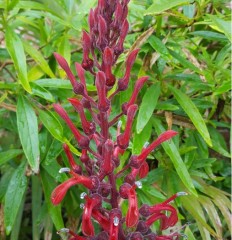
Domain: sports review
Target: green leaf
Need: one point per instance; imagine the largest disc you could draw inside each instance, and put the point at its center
(193, 113)
(147, 106)
(14, 196)
(15, 48)
(60, 83)
(210, 35)
(158, 46)
(8, 155)
(52, 124)
(36, 205)
(39, 59)
(42, 92)
(54, 211)
(160, 6)
(172, 151)
(221, 25)
(224, 88)
(28, 132)
(184, 62)
(140, 139)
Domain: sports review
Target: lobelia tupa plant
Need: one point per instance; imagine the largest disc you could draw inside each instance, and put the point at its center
(101, 48)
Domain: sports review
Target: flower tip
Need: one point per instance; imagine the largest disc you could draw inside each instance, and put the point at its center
(65, 169)
(181, 194)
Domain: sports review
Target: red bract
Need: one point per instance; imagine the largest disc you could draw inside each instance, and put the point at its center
(99, 167)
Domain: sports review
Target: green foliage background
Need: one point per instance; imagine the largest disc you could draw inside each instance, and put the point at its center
(185, 49)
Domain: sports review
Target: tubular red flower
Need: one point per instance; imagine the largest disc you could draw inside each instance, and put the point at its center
(77, 87)
(103, 102)
(137, 161)
(128, 192)
(88, 127)
(91, 203)
(82, 141)
(123, 139)
(142, 171)
(102, 220)
(138, 86)
(123, 82)
(115, 217)
(76, 168)
(107, 65)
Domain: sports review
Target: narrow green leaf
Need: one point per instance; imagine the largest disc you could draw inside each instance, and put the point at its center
(28, 132)
(147, 106)
(223, 88)
(194, 208)
(15, 48)
(172, 151)
(42, 92)
(210, 35)
(193, 113)
(52, 124)
(55, 211)
(39, 59)
(160, 6)
(158, 46)
(8, 155)
(60, 83)
(189, 233)
(141, 138)
(14, 196)
(36, 206)
(184, 62)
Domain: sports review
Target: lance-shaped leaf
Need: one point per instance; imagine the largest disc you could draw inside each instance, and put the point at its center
(28, 132)
(193, 113)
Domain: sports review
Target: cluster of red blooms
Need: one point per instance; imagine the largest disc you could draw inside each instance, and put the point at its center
(98, 169)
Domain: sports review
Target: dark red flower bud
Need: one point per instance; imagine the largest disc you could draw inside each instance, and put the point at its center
(91, 203)
(102, 236)
(86, 42)
(76, 168)
(138, 86)
(91, 19)
(77, 87)
(101, 6)
(102, 29)
(107, 65)
(107, 166)
(81, 75)
(123, 139)
(142, 227)
(118, 14)
(103, 102)
(151, 236)
(135, 236)
(84, 156)
(145, 210)
(137, 161)
(83, 141)
(123, 82)
(88, 127)
(128, 192)
(104, 189)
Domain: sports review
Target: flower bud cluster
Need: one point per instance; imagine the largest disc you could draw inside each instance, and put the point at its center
(98, 168)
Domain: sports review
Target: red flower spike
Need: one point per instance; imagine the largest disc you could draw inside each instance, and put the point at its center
(107, 166)
(103, 103)
(91, 203)
(77, 87)
(102, 220)
(138, 86)
(115, 217)
(82, 141)
(123, 82)
(76, 168)
(81, 75)
(123, 139)
(88, 127)
(137, 161)
(128, 192)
